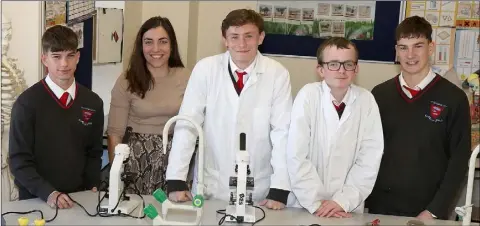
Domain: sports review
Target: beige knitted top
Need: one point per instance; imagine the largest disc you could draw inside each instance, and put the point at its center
(150, 114)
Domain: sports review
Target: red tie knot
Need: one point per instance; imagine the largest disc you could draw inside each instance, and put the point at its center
(64, 98)
(339, 107)
(240, 79)
(241, 74)
(413, 92)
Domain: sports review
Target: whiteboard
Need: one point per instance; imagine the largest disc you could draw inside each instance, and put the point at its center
(109, 35)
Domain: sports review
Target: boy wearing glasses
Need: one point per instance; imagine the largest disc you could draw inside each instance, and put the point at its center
(426, 121)
(335, 141)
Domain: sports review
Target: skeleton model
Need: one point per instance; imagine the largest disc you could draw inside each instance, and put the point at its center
(12, 84)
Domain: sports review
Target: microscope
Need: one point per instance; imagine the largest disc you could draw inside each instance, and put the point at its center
(241, 185)
(466, 211)
(160, 195)
(118, 202)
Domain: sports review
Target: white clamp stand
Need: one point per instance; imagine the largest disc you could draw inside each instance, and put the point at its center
(466, 210)
(241, 188)
(161, 196)
(116, 203)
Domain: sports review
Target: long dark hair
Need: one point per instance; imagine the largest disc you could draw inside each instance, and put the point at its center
(139, 78)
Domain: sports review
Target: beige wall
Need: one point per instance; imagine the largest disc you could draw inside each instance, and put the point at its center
(178, 14)
(132, 22)
(26, 36)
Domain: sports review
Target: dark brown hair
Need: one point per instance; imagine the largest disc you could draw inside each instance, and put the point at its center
(240, 17)
(139, 78)
(414, 27)
(339, 42)
(59, 38)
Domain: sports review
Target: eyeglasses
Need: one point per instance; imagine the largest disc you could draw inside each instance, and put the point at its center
(335, 65)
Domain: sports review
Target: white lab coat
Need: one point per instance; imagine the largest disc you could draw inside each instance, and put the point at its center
(330, 158)
(262, 111)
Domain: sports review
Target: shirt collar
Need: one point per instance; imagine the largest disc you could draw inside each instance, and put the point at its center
(345, 98)
(430, 76)
(248, 70)
(58, 91)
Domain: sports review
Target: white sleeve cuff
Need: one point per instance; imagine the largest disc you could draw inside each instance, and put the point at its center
(314, 207)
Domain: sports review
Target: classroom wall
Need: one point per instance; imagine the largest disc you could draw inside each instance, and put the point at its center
(26, 35)
(105, 75)
(182, 15)
(302, 71)
(132, 22)
(200, 17)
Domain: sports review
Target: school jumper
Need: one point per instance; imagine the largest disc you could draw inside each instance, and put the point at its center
(54, 147)
(427, 148)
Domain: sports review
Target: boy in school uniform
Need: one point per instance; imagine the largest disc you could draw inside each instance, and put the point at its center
(335, 141)
(55, 144)
(426, 124)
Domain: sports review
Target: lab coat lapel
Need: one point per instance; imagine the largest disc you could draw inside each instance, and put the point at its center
(227, 80)
(329, 111)
(351, 96)
(329, 132)
(340, 152)
(257, 71)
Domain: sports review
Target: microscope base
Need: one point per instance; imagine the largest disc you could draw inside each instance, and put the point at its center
(125, 207)
(249, 216)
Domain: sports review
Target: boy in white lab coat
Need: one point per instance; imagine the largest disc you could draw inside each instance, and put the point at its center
(335, 141)
(239, 91)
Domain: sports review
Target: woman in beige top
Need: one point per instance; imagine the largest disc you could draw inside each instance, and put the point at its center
(144, 98)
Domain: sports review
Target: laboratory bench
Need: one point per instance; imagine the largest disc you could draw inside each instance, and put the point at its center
(287, 216)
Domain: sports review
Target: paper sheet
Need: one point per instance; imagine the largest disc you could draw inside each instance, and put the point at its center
(442, 15)
(55, 13)
(80, 10)
(468, 14)
(78, 29)
(467, 52)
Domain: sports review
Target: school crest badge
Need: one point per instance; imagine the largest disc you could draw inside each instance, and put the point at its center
(436, 110)
(87, 114)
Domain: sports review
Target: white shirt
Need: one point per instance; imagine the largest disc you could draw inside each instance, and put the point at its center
(335, 100)
(58, 91)
(248, 70)
(430, 76)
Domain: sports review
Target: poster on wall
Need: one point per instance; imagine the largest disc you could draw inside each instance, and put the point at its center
(446, 18)
(441, 15)
(79, 11)
(55, 13)
(297, 29)
(468, 14)
(467, 52)
(78, 29)
(109, 35)
(319, 19)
